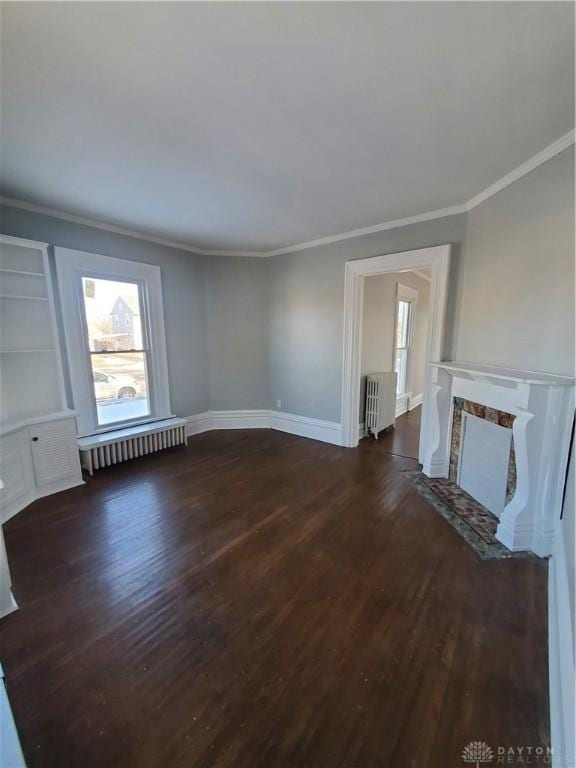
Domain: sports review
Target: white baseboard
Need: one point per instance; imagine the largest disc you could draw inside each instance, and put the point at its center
(415, 401)
(10, 749)
(39, 492)
(58, 487)
(407, 402)
(522, 538)
(516, 538)
(8, 607)
(435, 467)
(316, 429)
(209, 420)
(561, 658)
(9, 511)
(200, 422)
(543, 544)
(240, 419)
(361, 431)
(402, 405)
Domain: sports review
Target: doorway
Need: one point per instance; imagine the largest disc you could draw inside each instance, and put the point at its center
(394, 336)
(436, 260)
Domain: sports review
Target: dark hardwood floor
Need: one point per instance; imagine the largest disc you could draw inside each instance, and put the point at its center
(260, 600)
(404, 439)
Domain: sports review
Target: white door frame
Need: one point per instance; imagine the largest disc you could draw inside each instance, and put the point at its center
(437, 259)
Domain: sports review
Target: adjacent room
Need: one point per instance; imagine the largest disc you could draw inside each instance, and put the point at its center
(394, 355)
(287, 384)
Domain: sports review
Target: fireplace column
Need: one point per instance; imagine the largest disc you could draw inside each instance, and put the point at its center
(437, 424)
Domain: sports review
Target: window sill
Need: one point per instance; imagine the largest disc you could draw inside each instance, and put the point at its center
(134, 430)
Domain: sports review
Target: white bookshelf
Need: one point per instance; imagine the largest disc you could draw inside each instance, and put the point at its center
(38, 449)
(30, 361)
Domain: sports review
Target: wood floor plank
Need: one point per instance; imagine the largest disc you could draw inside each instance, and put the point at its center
(260, 600)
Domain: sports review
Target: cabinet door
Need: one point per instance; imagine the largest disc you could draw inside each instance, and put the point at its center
(54, 451)
(16, 474)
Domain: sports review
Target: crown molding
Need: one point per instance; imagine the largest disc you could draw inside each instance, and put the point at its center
(547, 154)
(74, 218)
(522, 170)
(394, 224)
(86, 221)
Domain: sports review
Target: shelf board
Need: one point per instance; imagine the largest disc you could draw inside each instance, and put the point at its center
(26, 351)
(26, 298)
(33, 419)
(22, 272)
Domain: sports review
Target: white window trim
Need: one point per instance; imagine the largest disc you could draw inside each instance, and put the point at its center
(71, 265)
(405, 293)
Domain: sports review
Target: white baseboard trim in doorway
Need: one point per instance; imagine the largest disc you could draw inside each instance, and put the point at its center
(315, 429)
(560, 658)
(407, 402)
(402, 404)
(415, 401)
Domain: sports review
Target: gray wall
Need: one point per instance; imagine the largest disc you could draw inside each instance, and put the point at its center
(237, 296)
(515, 299)
(307, 312)
(182, 287)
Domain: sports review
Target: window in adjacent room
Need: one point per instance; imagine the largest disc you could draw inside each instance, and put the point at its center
(406, 300)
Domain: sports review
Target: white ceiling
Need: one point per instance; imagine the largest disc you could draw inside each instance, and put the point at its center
(253, 126)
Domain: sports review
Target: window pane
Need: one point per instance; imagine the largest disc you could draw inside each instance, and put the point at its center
(113, 315)
(400, 368)
(403, 323)
(120, 387)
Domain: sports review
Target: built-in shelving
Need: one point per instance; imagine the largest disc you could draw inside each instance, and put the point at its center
(38, 449)
(20, 257)
(15, 424)
(30, 363)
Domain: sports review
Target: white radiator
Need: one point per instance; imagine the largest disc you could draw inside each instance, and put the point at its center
(380, 402)
(121, 445)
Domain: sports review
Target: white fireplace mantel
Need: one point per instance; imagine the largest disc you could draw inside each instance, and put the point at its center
(543, 407)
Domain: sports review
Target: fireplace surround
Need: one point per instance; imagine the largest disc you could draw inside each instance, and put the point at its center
(538, 408)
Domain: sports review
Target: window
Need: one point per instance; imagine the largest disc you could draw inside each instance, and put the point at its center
(406, 300)
(401, 362)
(118, 359)
(114, 328)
